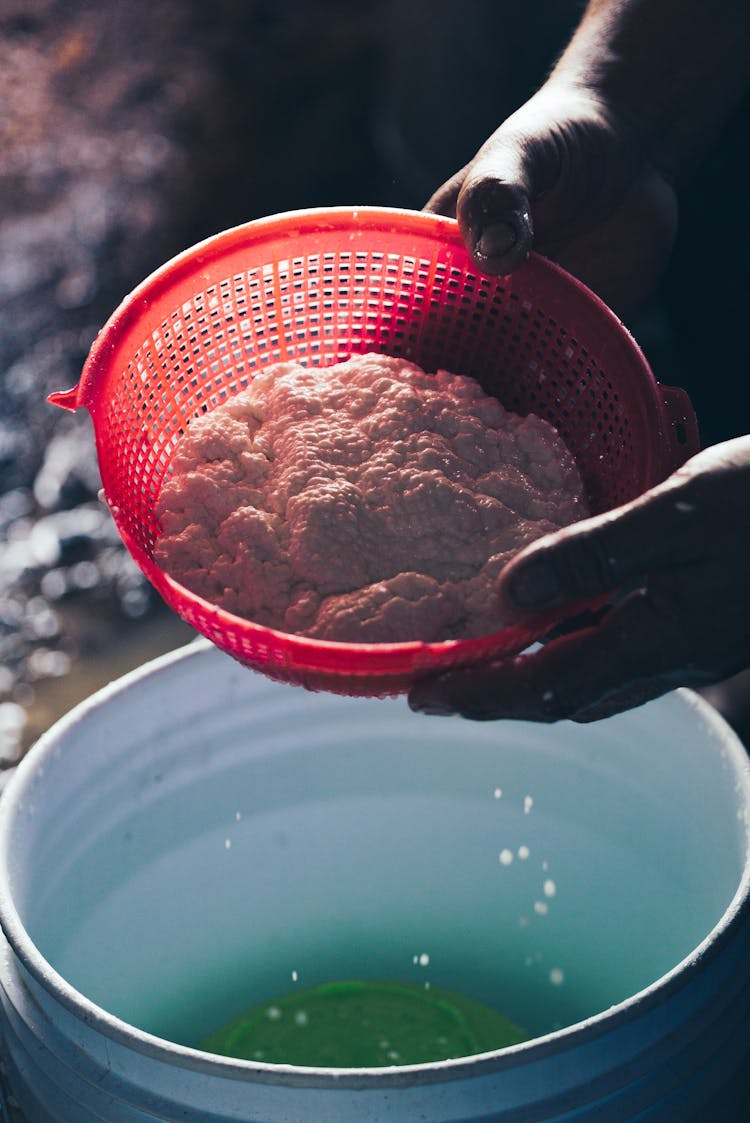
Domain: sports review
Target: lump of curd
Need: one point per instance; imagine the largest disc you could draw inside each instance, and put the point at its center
(364, 502)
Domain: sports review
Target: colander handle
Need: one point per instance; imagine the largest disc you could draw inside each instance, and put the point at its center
(65, 399)
(682, 427)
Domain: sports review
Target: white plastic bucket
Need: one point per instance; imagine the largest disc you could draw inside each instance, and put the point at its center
(181, 844)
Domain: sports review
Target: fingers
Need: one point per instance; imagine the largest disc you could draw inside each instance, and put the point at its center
(494, 219)
(493, 215)
(675, 560)
(515, 167)
(660, 530)
(490, 197)
(633, 655)
(493, 212)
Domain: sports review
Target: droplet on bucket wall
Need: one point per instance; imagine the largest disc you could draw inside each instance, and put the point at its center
(541, 908)
(505, 857)
(295, 976)
(549, 888)
(227, 844)
(528, 803)
(424, 959)
(556, 976)
(523, 853)
(273, 1013)
(301, 1018)
(498, 793)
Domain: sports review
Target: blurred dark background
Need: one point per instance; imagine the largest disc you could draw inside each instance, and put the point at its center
(129, 130)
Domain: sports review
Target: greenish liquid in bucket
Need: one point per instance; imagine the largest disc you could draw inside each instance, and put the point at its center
(364, 1024)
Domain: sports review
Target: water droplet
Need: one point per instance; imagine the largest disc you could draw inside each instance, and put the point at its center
(523, 853)
(528, 803)
(424, 959)
(295, 976)
(541, 907)
(556, 976)
(549, 888)
(301, 1018)
(227, 844)
(273, 1013)
(498, 793)
(505, 857)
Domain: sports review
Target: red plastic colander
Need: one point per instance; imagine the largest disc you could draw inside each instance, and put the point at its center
(317, 286)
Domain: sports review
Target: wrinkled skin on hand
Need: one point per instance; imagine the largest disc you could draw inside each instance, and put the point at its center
(566, 174)
(675, 563)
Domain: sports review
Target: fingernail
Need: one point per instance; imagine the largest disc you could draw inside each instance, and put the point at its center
(433, 707)
(535, 586)
(496, 240)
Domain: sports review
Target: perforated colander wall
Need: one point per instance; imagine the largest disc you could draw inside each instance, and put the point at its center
(319, 309)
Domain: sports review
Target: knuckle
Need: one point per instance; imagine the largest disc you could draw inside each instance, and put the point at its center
(590, 565)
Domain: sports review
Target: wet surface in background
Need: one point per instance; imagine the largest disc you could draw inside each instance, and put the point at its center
(129, 132)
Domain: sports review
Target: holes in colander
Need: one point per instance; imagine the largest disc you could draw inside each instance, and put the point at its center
(320, 307)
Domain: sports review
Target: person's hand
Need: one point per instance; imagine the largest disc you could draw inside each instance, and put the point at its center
(567, 176)
(675, 562)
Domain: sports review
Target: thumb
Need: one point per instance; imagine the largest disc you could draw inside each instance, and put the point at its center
(660, 531)
(493, 206)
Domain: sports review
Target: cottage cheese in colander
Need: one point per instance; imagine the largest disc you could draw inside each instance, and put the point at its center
(364, 502)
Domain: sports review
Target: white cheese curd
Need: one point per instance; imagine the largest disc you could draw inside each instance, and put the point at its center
(363, 502)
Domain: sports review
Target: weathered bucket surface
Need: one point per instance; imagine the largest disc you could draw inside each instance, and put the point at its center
(196, 838)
